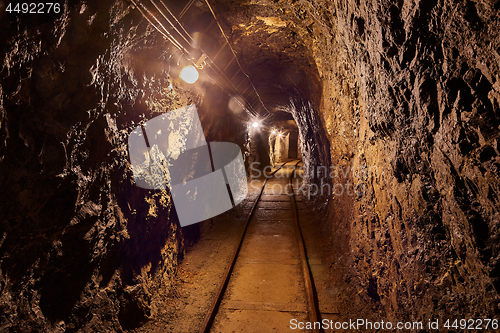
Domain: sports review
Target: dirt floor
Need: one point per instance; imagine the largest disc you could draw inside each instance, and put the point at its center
(204, 264)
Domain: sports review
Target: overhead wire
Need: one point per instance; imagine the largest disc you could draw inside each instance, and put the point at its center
(186, 8)
(235, 56)
(171, 24)
(220, 73)
(143, 10)
(212, 63)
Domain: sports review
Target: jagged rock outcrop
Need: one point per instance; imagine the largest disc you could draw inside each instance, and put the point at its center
(425, 112)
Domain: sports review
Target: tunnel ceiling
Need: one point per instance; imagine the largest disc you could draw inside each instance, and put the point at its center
(268, 47)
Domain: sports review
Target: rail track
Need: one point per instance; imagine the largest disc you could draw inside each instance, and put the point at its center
(272, 272)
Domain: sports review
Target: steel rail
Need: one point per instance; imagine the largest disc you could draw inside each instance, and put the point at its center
(209, 319)
(312, 297)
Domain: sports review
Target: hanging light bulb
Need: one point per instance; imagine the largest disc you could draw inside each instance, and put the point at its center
(189, 74)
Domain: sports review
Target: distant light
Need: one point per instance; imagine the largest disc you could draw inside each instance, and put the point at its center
(255, 124)
(279, 135)
(189, 74)
(273, 132)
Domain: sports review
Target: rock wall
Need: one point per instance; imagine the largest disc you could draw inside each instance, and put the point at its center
(280, 150)
(410, 97)
(81, 246)
(401, 98)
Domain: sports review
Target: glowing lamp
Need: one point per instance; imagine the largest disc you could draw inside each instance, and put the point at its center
(255, 124)
(273, 132)
(189, 74)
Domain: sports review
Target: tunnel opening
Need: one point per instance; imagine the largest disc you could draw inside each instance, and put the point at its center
(284, 142)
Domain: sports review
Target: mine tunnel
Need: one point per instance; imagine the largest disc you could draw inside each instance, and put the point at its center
(364, 187)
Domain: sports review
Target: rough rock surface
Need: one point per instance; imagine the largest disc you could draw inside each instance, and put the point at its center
(410, 93)
(404, 93)
(409, 102)
(81, 246)
(419, 101)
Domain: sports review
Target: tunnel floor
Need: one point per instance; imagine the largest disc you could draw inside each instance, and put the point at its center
(266, 289)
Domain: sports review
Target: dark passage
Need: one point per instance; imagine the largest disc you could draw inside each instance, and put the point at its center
(293, 145)
(392, 107)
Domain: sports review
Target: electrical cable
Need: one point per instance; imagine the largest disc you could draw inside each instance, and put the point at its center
(171, 24)
(176, 20)
(227, 41)
(166, 34)
(220, 73)
(186, 8)
(234, 54)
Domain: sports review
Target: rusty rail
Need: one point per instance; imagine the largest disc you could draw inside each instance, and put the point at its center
(312, 297)
(209, 319)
